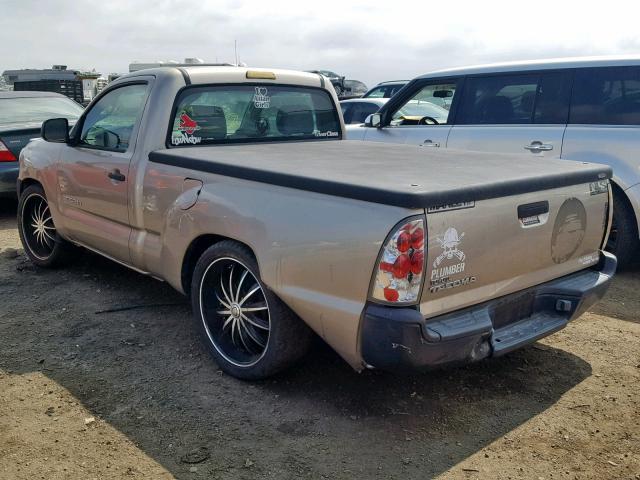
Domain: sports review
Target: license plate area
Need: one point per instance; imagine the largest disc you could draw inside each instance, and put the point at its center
(512, 309)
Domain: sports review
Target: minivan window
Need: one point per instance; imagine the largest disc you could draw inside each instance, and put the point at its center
(516, 99)
(606, 96)
(427, 107)
(498, 100)
(110, 122)
(552, 102)
(241, 113)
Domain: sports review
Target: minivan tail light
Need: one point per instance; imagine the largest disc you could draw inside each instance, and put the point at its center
(5, 154)
(399, 275)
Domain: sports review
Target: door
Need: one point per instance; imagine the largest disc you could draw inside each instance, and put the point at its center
(513, 113)
(94, 171)
(424, 118)
(604, 125)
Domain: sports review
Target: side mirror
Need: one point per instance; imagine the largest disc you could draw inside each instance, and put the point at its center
(55, 130)
(373, 120)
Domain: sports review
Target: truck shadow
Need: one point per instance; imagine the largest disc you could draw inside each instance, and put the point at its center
(144, 371)
(8, 209)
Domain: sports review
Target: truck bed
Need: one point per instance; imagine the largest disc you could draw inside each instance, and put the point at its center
(399, 175)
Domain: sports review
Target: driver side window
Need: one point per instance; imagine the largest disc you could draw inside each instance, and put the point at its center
(110, 122)
(429, 106)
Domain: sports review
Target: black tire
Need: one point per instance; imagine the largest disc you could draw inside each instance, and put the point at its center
(623, 238)
(258, 353)
(43, 245)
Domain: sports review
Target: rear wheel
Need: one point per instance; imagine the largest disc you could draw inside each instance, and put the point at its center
(249, 331)
(623, 238)
(37, 231)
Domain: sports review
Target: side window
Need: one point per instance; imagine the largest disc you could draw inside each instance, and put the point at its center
(361, 111)
(377, 92)
(497, 99)
(430, 106)
(606, 96)
(347, 112)
(110, 122)
(552, 102)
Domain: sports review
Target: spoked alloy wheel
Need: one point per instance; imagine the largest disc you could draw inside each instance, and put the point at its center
(235, 312)
(37, 226)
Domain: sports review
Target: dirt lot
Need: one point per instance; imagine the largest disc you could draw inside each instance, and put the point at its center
(132, 394)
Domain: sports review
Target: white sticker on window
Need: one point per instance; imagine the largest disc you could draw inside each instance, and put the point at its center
(261, 99)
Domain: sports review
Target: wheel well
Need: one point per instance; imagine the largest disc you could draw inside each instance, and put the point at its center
(25, 183)
(619, 194)
(195, 250)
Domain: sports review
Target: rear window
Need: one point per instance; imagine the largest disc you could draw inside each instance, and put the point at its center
(37, 109)
(250, 113)
(606, 96)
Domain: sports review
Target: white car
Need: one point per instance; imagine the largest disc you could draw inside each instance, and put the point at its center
(356, 110)
(579, 109)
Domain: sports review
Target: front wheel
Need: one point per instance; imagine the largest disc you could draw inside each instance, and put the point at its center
(38, 233)
(248, 330)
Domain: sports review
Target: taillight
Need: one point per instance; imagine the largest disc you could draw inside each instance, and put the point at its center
(399, 273)
(5, 154)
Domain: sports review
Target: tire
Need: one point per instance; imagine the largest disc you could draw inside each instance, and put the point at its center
(40, 239)
(247, 329)
(623, 239)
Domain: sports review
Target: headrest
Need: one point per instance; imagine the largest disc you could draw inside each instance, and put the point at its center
(295, 119)
(211, 120)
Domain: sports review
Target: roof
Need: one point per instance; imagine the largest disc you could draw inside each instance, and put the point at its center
(206, 74)
(376, 101)
(27, 94)
(387, 82)
(552, 63)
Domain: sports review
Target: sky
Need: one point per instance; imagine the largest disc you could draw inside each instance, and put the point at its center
(369, 40)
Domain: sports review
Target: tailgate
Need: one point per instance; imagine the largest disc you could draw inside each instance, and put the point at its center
(481, 250)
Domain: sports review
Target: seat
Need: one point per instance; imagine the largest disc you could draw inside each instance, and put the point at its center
(295, 120)
(211, 120)
(497, 110)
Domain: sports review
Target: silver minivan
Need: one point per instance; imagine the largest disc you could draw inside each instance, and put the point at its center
(580, 109)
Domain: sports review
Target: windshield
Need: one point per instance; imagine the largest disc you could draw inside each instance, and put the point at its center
(241, 113)
(37, 109)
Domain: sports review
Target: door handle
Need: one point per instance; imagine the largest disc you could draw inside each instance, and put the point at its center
(537, 146)
(116, 175)
(429, 143)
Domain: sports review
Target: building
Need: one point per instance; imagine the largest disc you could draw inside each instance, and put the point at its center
(76, 84)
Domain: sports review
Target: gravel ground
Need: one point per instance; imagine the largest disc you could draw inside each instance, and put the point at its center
(88, 394)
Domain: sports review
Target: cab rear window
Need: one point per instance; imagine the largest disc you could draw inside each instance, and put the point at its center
(251, 112)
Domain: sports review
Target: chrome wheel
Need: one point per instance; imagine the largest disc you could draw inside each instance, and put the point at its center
(234, 312)
(38, 228)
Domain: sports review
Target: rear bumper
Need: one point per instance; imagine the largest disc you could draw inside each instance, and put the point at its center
(401, 339)
(8, 177)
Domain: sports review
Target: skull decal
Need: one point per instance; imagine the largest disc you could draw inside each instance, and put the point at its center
(449, 243)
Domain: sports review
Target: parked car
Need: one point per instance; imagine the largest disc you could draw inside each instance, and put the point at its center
(386, 89)
(356, 110)
(336, 80)
(578, 109)
(354, 89)
(236, 187)
(21, 115)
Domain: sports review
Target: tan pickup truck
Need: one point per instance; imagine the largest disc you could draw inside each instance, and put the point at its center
(235, 186)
